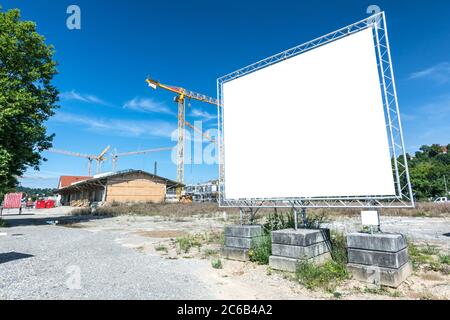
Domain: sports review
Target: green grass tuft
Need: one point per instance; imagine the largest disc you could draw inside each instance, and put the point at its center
(217, 264)
(186, 243)
(261, 249)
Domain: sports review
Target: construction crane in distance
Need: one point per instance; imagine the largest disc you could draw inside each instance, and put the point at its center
(99, 158)
(181, 96)
(115, 156)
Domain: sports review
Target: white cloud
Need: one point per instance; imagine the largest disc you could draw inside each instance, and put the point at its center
(127, 128)
(439, 73)
(87, 98)
(206, 116)
(148, 105)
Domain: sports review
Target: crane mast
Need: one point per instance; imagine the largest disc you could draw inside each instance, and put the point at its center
(180, 99)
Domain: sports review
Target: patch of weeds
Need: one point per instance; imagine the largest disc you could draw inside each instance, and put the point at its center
(417, 256)
(279, 221)
(188, 242)
(261, 249)
(396, 294)
(429, 250)
(330, 274)
(377, 290)
(269, 271)
(217, 264)
(428, 257)
(337, 295)
(216, 237)
(327, 276)
(444, 259)
(140, 249)
(419, 214)
(339, 247)
(161, 247)
(3, 223)
(210, 252)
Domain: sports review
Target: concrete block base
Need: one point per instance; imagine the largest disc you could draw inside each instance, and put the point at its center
(238, 254)
(380, 258)
(238, 241)
(290, 264)
(289, 246)
(389, 277)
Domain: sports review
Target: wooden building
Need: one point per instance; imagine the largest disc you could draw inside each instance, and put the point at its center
(122, 186)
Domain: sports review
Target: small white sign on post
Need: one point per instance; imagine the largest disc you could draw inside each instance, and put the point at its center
(370, 218)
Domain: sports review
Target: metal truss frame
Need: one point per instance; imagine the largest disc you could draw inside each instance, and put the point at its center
(404, 195)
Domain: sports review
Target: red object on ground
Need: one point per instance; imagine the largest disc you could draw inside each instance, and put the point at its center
(49, 204)
(12, 201)
(40, 204)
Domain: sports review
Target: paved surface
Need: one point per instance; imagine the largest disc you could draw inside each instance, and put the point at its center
(41, 261)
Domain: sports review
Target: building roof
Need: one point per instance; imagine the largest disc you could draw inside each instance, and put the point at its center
(101, 179)
(65, 181)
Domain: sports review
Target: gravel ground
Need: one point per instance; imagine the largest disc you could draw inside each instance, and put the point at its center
(37, 262)
(117, 259)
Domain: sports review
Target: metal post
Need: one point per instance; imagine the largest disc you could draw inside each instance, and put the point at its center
(241, 217)
(180, 146)
(295, 218)
(304, 219)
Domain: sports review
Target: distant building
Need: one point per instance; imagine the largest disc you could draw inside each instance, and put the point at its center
(203, 192)
(122, 186)
(65, 181)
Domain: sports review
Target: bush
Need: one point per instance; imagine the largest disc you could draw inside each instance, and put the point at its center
(339, 247)
(217, 264)
(330, 274)
(186, 243)
(261, 249)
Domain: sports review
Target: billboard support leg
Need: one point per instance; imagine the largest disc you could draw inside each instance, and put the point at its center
(295, 218)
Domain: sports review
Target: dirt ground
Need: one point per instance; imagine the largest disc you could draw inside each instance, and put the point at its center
(157, 235)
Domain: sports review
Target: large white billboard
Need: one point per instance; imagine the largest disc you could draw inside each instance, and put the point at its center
(312, 125)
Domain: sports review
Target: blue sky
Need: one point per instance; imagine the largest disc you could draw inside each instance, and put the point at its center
(103, 66)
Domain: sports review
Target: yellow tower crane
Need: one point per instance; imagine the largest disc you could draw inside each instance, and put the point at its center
(180, 99)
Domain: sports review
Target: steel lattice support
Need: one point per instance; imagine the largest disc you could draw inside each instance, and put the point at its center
(404, 195)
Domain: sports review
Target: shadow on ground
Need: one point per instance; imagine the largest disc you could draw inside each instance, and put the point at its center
(11, 256)
(36, 220)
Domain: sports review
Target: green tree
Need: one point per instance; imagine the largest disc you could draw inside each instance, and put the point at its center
(27, 97)
(427, 170)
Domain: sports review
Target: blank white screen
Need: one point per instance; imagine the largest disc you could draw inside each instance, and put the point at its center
(309, 126)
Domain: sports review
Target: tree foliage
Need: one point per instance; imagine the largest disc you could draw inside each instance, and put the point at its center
(427, 170)
(27, 97)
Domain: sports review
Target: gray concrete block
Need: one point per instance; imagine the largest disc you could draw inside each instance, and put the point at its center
(235, 254)
(299, 251)
(290, 264)
(378, 258)
(244, 243)
(300, 237)
(380, 276)
(244, 231)
(378, 241)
